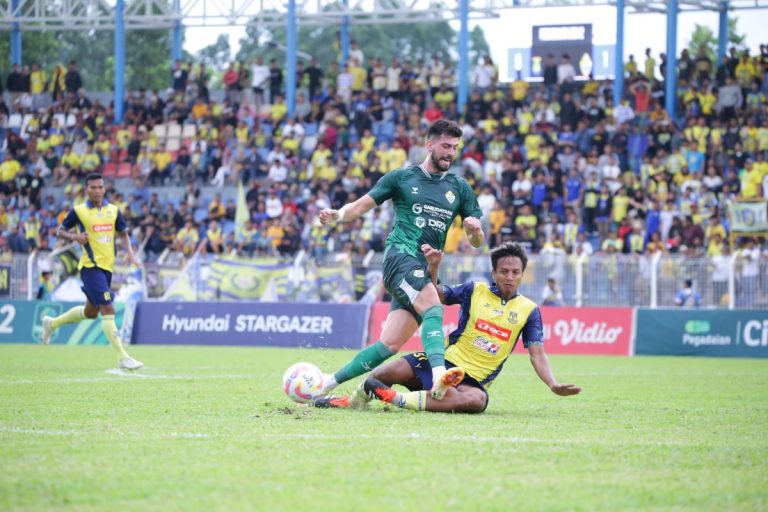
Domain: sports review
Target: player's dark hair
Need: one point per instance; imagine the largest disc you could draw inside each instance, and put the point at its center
(508, 249)
(443, 127)
(93, 177)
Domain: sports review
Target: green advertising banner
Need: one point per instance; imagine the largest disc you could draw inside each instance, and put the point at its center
(694, 332)
(20, 322)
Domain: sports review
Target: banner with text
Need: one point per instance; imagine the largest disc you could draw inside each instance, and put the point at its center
(251, 323)
(605, 331)
(718, 333)
(21, 322)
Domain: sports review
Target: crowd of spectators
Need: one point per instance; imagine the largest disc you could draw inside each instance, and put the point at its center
(556, 165)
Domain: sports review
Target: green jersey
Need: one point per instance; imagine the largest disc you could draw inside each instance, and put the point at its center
(425, 206)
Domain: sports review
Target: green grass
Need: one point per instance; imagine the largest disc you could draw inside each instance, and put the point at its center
(210, 429)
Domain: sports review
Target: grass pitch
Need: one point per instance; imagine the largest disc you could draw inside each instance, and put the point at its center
(210, 429)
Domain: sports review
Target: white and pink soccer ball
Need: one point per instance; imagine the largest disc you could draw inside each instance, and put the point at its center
(303, 382)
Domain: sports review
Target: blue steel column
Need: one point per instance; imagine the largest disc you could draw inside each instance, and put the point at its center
(176, 44)
(463, 54)
(344, 40)
(119, 60)
(618, 85)
(722, 41)
(670, 94)
(15, 35)
(290, 61)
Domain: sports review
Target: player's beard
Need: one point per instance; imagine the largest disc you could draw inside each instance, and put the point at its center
(436, 162)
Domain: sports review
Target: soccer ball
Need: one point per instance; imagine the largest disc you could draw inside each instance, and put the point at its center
(303, 382)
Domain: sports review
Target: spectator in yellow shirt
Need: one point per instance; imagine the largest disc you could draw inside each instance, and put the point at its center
(8, 171)
(161, 163)
(187, 238)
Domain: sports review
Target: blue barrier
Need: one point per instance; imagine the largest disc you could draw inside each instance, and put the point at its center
(251, 323)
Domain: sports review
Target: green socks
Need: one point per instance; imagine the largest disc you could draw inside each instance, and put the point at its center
(432, 337)
(363, 362)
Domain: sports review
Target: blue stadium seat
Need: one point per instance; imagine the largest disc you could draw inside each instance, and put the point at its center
(199, 215)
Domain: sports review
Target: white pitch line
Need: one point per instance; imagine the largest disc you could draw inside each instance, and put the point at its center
(76, 380)
(53, 432)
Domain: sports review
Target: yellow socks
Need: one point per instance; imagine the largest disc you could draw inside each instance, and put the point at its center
(412, 400)
(110, 331)
(75, 314)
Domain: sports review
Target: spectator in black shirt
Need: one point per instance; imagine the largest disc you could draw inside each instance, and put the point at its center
(275, 80)
(550, 76)
(315, 75)
(72, 80)
(179, 77)
(14, 83)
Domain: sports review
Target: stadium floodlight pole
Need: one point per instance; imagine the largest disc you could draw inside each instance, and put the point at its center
(16, 34)
(618, 85)
(722, 35)
(290, 60)
(670, 94)
(119, 60)
(463, 54)
(344, 37)
(176, 43)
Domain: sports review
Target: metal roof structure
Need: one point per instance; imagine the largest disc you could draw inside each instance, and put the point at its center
(157, 14)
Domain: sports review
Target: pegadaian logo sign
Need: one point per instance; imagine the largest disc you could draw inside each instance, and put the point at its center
(697, 334)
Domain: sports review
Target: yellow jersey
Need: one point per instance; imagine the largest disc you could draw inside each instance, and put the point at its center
(489, 328)
(101, 225)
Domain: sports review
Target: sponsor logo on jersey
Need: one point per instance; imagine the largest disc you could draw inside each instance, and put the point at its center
(493, 329)
(418, 272)
(101, 228)
(438, 212)
(420, 222)
(414, 190)
(437, 224)
(486, 345)
(417, 208)
(450, 196)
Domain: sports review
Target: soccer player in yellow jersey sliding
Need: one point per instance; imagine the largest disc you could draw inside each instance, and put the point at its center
(491, 320)
(98, 223)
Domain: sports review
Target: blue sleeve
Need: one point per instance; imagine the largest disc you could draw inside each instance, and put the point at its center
(120, 224)
(70, 220)
(533, 331)
(461, 294)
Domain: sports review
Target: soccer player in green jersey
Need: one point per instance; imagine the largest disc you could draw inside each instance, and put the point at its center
(98, 223)
(426, 199)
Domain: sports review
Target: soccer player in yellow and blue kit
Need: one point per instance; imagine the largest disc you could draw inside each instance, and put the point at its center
(492, 319)
(98, 223)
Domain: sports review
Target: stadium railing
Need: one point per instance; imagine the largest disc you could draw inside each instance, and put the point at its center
(597, 280)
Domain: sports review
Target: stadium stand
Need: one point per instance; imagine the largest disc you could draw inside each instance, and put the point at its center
(560, 168)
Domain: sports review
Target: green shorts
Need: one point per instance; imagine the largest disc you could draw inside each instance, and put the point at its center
(404, 277)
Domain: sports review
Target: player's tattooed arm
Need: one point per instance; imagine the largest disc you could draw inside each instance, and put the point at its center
(474, 230)
(434, 258)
